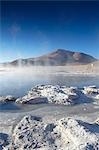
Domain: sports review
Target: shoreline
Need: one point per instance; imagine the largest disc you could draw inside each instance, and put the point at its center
(83, 114)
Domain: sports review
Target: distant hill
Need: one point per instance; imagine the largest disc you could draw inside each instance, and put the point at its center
(59, 57)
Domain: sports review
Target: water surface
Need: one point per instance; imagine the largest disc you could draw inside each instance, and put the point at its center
(18, 83)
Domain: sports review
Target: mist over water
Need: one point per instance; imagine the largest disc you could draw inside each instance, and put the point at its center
(17, 81)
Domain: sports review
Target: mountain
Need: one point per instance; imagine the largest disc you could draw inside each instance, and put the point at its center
(59, 57)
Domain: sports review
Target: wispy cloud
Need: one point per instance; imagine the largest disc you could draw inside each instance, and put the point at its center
(14, 29)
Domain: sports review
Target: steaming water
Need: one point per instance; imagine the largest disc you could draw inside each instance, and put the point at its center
(18, 82)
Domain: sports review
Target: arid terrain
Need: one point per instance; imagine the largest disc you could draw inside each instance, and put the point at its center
(70, 115)
(42, 105)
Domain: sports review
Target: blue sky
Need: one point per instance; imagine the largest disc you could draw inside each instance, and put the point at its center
(30, 29)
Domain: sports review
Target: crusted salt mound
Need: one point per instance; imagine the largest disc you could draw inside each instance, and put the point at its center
(4, 140)
(65, 134)
(32, 100)
(91, 90)
(79, 134)
(97, 97)
(97, 121)
(8, 98)
(32, 133)
(51, 94)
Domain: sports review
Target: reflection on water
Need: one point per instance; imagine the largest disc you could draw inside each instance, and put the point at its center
(52, 109)
(9, 106)
(17, 84)
(78, 81)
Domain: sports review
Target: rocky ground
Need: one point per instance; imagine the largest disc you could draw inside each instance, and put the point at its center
(50, 94)
(56, 95)
(48, 129)
(63, 134)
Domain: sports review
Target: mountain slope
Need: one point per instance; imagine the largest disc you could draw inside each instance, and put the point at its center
(58, 57)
